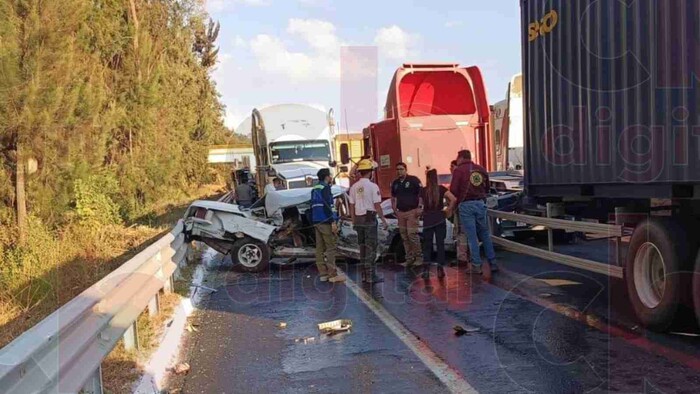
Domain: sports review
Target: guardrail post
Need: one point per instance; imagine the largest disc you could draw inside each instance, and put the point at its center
(131, 337)
(94, 384)
(168, 287)
(550, 233)
(154, 305)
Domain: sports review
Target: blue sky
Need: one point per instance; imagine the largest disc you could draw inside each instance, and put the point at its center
(282, 51)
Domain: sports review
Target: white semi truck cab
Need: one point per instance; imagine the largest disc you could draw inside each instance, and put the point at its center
(291, 142)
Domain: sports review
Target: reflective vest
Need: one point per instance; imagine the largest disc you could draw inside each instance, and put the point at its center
(321, 210)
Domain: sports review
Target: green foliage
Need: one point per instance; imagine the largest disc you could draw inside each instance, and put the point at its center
(22, 274)
(90, 87)
(93, 204)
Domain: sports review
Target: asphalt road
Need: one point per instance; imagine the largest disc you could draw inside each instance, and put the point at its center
(539, 327)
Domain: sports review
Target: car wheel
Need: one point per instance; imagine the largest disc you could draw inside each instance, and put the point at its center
(658, 252)
(250, 255)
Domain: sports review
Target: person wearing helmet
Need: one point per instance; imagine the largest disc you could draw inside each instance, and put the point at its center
(354, 172)
(365, 207)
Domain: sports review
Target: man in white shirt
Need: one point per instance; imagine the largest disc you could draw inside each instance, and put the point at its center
(365, 199)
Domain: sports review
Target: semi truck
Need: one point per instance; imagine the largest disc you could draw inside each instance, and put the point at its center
(612, 135)
(432, 111)
(291, 142)
(507, 125)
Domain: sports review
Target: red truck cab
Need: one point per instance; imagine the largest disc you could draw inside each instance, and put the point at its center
(432, 111)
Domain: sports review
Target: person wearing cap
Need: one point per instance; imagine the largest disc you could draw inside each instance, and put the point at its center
(325, 223)
(365, 198)
(470, 184)
(461, 242)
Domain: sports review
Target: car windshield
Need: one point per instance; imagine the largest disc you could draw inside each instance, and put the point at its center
(289, 151)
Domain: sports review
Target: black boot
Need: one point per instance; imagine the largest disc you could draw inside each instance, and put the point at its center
(440, 272)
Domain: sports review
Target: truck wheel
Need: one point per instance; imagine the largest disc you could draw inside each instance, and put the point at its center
(658, 251)
(251, 255)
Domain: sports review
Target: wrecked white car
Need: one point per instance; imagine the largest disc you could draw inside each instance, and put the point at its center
(278, 226)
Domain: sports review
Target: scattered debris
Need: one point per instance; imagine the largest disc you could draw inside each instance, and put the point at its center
(192, 328)
(282, 325)
(182, 368)
(335, 326)
(306, 340)
(459, 330)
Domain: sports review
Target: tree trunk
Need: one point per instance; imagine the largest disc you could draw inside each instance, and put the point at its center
(21, 198)
(135, 20)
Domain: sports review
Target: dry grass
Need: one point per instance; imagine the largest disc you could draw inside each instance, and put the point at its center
(121, 369)
(54, 268)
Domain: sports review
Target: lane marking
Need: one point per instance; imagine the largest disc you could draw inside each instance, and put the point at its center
(452, 379)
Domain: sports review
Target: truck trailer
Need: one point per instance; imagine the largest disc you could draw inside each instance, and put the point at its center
(432, 111)
(612, 134)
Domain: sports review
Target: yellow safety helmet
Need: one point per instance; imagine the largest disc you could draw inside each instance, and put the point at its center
(365, 164)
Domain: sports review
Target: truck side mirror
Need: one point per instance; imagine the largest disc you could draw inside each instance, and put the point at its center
(344, 153)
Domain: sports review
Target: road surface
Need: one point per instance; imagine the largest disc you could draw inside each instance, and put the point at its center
(539, 327)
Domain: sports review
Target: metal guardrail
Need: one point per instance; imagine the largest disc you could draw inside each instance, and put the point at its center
(610, 230)
(63, 353)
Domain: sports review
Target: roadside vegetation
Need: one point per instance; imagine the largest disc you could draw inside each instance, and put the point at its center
(107, 110)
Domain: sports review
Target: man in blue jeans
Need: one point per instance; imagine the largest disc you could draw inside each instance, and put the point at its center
(470, 184)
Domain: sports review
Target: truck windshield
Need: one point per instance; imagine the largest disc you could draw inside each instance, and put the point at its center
(288, 151)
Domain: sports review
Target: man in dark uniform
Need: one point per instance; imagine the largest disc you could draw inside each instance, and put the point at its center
(470, 184)
(405, 200)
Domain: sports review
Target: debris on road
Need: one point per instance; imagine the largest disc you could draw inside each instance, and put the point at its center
(192, 328)
(459, 330)
(182, 368)
(335, 326)
(306, 340)
(282, 325)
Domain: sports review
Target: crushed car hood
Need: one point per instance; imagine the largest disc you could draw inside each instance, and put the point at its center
(277, 200)
(298, 170)
(217, 206)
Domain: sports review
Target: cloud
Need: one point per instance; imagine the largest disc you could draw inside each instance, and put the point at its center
(214, 6)
(322, 61)
(318, 34)
(239, 42)
(395, 43)
(314, 3)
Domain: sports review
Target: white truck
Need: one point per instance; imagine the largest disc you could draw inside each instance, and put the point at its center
(291, 142)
